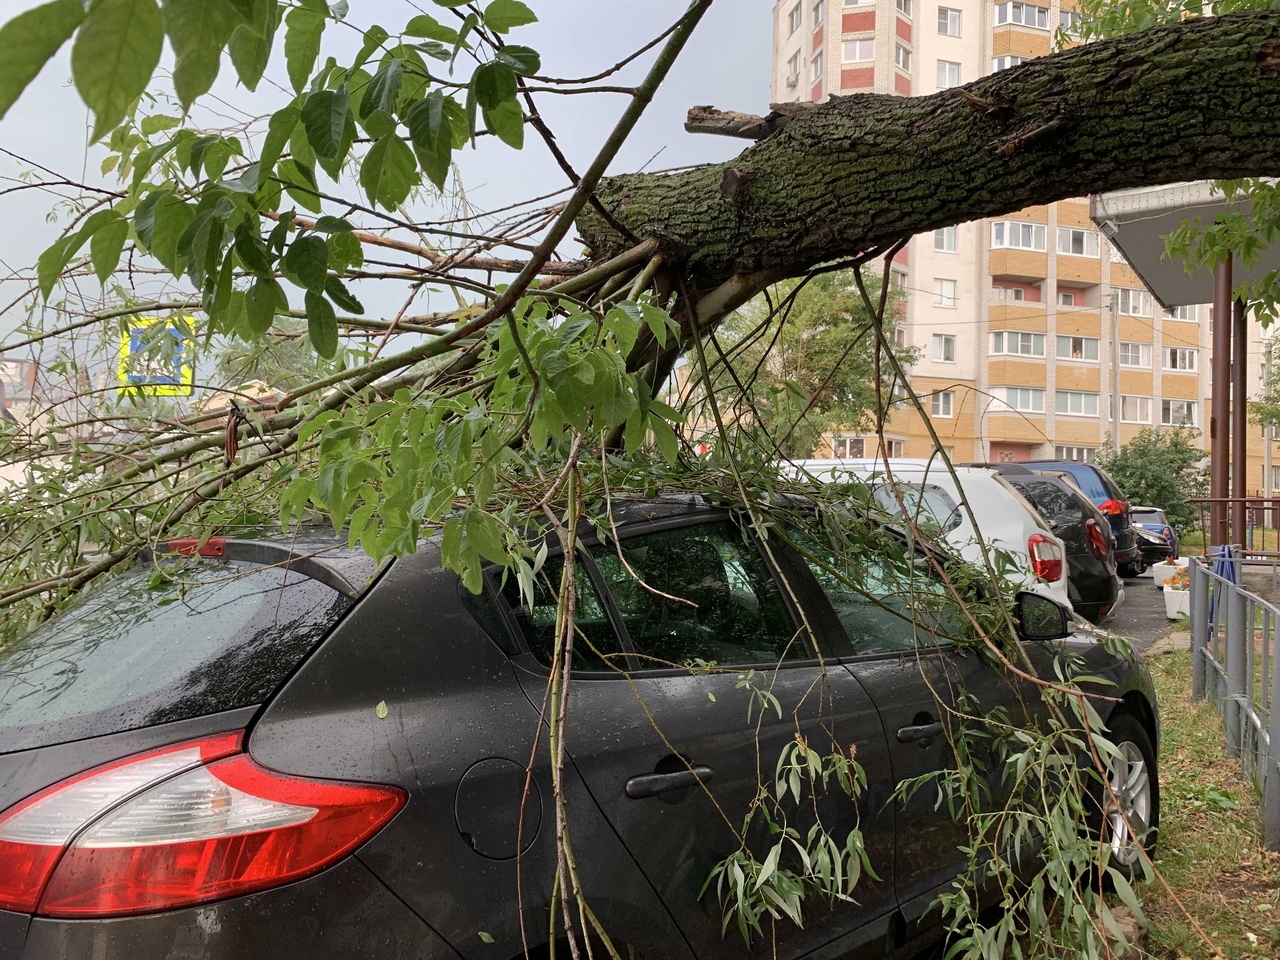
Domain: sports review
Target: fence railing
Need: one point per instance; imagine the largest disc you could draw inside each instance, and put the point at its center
(1233, 654)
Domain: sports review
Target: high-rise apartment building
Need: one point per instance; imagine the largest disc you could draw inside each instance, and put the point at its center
(1013, 318)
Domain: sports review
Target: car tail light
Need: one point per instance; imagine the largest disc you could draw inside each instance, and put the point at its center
(1046, 558)
(1099, 542)
(188, 824)
(1113, 508)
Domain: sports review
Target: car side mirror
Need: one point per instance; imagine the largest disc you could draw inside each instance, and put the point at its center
(1040, 618)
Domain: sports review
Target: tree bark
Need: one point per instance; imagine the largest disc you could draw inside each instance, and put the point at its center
(1194, 100)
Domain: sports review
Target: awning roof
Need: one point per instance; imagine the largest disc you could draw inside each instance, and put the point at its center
(1137, 220)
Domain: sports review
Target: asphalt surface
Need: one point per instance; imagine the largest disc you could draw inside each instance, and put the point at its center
(1142, 617)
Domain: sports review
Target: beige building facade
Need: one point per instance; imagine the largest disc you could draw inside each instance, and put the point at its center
(1020, 322)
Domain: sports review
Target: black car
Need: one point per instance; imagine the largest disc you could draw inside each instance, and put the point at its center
(1096, 590)
(1107, 497)
(1153, 519)
(1155, 548)
(267, 747)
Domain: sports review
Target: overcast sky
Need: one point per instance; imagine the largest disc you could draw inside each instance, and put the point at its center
(725, 64)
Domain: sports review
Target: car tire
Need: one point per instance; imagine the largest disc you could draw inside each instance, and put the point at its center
(1133, 779)
(1131, 570)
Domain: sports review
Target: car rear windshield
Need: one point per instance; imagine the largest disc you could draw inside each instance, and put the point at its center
(1148, 516)
(160, 643)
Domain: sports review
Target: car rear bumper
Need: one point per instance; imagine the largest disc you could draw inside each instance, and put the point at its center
(344, 913)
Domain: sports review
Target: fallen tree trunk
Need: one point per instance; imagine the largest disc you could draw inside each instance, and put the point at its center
(1194, 100)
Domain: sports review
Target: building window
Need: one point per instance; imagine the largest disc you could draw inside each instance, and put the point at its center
(1078, 454)
(1133, 303)
(1025, 14)
(1078, 243)
(794, 18)
(1003, 294)
(1187, 313)
(944, 347)
(1135, 354)
(850, 447)
(1077, 348)
(904, 7)
(819, 66)
(899, 337)
(1069, 21)
(948, 74)
(944, 240)
(1078, 404)
(944, 293)
(1179, 413)
(857, 3)
(896, 448)
(1016, 235)
(819, 13)
(948, 22)
(1021, 344)
(1023, 399)
(940, 405)
(793, 67)
(859, 51)
(898, 392)
(901, 57)
(1179, 358)
(1066, 299)
(897, 280)
(1135, 409)
(1005, 62)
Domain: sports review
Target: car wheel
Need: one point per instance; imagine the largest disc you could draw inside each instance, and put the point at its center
(1131, 570)
(1130, 803)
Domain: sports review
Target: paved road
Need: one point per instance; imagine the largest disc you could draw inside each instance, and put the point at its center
(1142, 618)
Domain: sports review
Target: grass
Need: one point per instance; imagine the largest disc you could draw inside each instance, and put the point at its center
(1265, 539)
(1211, 849)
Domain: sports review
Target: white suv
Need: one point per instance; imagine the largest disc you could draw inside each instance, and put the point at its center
(1005, 521)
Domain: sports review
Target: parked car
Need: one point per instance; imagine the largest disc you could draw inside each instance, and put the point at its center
(1005, 520)
(1097, 592)
(1154, 519)
(1155, 548)
(274, 749)
(1107, 497)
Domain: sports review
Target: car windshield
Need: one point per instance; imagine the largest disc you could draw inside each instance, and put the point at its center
(926, 503)
(1149, 516)
(160, 643)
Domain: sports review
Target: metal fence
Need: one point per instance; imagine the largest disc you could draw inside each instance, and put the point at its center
(1233, 652)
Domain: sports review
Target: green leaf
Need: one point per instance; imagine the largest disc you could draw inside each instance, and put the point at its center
(668, 444)
(380, 711)
(300, 182)
(308, 260)
(29, 40)
(251, 42)
(523, 60)
(383, 90)
(507, 121)
(107, 245)
(431, 131)
(324, 117)
(502, 15)
(322, 325)
(389, 172)
(252, 251)
(341, 296)
(198, 30)
(493, 83)
(345, 251)
(279, 129)
(52, 262)
(302, 31)
(374, 38)
(485, 534)
(262, 302)
(328, 224)
(430, 28)
(172, 218)
(116, 51)
(158, 123)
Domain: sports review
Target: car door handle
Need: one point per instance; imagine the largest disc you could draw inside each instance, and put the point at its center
(652, 784)
(923, 731)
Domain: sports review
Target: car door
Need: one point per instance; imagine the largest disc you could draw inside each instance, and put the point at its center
(723, 679)
(899, 618)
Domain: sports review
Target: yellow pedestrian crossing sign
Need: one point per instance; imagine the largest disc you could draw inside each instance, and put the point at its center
(157, 356)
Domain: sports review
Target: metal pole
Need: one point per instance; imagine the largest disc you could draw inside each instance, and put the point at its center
(1220, 406)
(1199, 624)
(1271, 783)
(1237, 631)
(1115, 373)
(1239, 418)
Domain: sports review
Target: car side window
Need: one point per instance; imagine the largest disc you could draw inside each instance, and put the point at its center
(1055, 502)
(927, 503)
(884, 606)
(707, 595)
(595, 644)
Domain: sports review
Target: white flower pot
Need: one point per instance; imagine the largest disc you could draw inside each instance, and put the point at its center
(1177, 603)
(1163, 570)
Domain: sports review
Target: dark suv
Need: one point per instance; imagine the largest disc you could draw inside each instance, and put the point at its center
(1107, 497)
(269, 748)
